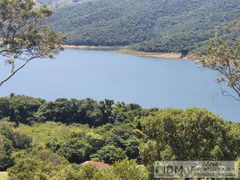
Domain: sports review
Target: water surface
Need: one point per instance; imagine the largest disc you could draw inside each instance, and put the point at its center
(150, 82)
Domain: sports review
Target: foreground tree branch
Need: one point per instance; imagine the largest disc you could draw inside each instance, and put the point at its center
(15, 71)
(23, 37)
(224, 59)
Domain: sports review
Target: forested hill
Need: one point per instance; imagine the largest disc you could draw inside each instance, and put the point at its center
(153, 25)
(53, 140)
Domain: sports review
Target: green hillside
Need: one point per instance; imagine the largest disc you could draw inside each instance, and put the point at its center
(50, 140)
(153, 25)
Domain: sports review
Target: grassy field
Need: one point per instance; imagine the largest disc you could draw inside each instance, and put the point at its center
(3, 176)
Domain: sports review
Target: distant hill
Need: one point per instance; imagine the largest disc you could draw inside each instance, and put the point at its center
(147, 25)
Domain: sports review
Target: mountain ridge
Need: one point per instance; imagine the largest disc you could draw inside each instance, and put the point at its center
(146, 25)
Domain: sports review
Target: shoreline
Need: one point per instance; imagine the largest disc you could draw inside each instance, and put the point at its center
(150, 54)
(110, 48)
(126, 50)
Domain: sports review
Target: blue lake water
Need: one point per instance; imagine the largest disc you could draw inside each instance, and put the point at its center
(149, 82)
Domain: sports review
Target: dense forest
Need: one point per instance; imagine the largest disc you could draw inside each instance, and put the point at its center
(51, 140)
(146, 25)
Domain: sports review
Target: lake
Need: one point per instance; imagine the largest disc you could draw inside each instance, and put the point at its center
(149, 82)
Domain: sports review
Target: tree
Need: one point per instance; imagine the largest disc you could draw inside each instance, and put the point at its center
(109, 154)
(23, 38)
(224, 58)
(130, 170)
(193, 134)
(20, 109)
(5, 153)
(41, 164)
(75, 150)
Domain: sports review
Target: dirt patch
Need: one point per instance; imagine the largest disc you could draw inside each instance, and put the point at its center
(126, 50)
(3, 175)
(94, 47)
(150, 54)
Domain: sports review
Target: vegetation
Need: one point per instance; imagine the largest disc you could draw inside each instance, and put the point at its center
(50, 140)
(146, 25)
(222, 54)
(23, 38)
